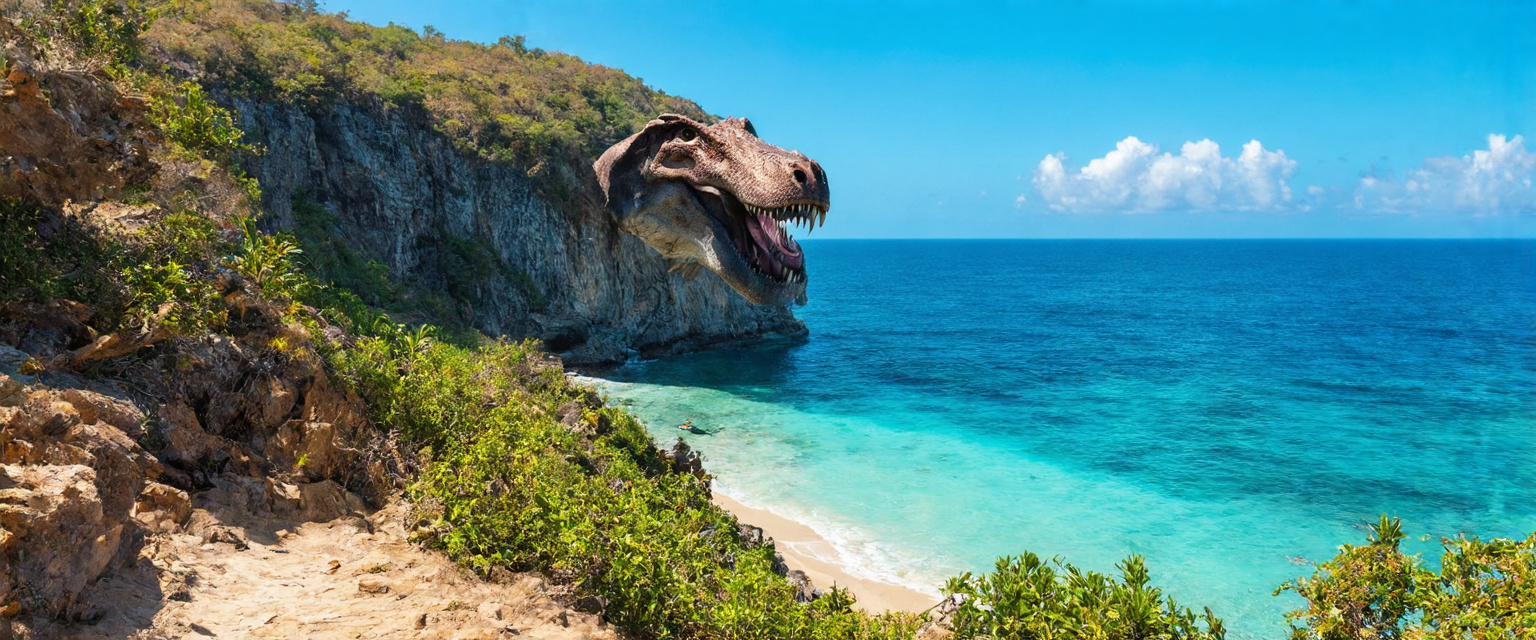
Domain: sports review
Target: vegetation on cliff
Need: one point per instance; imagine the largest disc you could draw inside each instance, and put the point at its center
(517, 467)
(548, 113)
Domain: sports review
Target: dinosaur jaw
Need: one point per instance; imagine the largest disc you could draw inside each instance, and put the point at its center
(763, 262)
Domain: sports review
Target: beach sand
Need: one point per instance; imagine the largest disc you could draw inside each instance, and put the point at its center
(797, 543)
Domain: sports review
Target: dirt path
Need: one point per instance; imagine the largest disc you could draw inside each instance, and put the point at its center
(349, 578)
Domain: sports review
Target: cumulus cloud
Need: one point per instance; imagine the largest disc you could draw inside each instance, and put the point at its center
(1135, 178)
(1495, 181)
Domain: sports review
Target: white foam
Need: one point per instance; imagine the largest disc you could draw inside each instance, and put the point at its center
(851, 549)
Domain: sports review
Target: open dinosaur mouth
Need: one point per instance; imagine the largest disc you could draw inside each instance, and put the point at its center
(761, 235)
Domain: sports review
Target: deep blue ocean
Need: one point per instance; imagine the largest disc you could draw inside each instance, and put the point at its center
(1225, 408)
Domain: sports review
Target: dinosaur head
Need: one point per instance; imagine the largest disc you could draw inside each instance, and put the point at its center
(717, 197)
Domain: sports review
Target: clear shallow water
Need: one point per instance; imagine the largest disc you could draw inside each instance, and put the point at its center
(1217, 406)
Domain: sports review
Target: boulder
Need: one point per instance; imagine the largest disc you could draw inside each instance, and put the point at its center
(96, 407)
(10, 391)
(121, 465)
(41, 415)
(270, 401)
(186, 442)
(11, 360)
(57, 539)
(311, 502)
(225, 412)
(162, 508)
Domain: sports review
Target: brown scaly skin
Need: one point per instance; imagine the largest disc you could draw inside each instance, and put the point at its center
(717, 197)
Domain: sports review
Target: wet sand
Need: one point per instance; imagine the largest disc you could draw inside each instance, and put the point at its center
(803, 549)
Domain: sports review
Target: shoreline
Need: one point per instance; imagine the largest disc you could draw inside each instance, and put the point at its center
(797, 543)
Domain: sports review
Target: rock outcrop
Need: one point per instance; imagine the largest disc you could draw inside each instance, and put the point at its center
(89, 471)
(407, 198)
(78, 140)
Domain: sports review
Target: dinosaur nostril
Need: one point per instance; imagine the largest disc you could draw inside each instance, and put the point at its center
(799, 176)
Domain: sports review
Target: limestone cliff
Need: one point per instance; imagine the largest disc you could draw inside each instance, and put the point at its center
(404, 195)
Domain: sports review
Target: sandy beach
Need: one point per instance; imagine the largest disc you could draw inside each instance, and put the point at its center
(797, 543)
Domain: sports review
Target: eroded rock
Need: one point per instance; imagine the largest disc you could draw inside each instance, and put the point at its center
(54, 513)
(162, 508)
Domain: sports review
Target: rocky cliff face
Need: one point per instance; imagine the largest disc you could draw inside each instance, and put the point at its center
(405, 197)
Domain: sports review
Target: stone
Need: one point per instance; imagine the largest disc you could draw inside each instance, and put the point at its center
(225, 411)
(752, 536)
(591, 604)
(10, 391)
(11, 360)
(187, 443)
(492, 611)
(372, 584)
(804, 590)
(61, 542)
(162, 508)
(43, 415)
(121, 465)
(309, 502)
(96, 407)
(271, 401)
(325, 403)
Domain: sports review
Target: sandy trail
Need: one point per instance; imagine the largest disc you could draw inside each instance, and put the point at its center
(349, 578)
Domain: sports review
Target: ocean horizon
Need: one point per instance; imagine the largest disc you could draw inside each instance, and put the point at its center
(1230, 409)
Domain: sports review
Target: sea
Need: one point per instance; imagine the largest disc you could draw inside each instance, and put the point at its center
(1232, 410)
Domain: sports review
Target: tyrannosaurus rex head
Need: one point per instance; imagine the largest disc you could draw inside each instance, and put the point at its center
(718, 197)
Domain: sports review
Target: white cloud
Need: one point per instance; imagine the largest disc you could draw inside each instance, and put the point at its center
(1018, 203)
(1489, 182)
(1135, 178)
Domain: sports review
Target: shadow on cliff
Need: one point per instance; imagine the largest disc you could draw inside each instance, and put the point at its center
(753, 370)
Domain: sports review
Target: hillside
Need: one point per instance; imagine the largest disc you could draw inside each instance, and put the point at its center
(458, 173)
(205, 383)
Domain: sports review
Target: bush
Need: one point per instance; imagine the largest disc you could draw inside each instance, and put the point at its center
(595, 504)
(100, 34)
(1026, 598)
(1484, 591)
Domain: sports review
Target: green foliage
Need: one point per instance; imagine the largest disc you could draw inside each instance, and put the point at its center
(1026, 598)
(195, 125)
(547, 113)
(190, 119)
(102, 32)
(1484, 591)
(595, 504)
(44, 256)
(171, 296)
(268, 261)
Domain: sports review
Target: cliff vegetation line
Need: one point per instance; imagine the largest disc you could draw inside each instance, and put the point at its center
(135, 265)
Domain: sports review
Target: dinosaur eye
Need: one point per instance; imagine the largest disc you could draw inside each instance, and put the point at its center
(687, 135)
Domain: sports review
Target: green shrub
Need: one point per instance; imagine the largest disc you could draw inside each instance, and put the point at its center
(171, 296)
(507, 485)
(190, 119)
(268, 262)
(98, 32)
(1484, 591)
(45, 255)
(1026, 598)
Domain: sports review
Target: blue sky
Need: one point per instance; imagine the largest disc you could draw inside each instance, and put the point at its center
(1070, 119)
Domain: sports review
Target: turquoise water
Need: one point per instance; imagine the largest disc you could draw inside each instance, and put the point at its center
(1221, 407)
